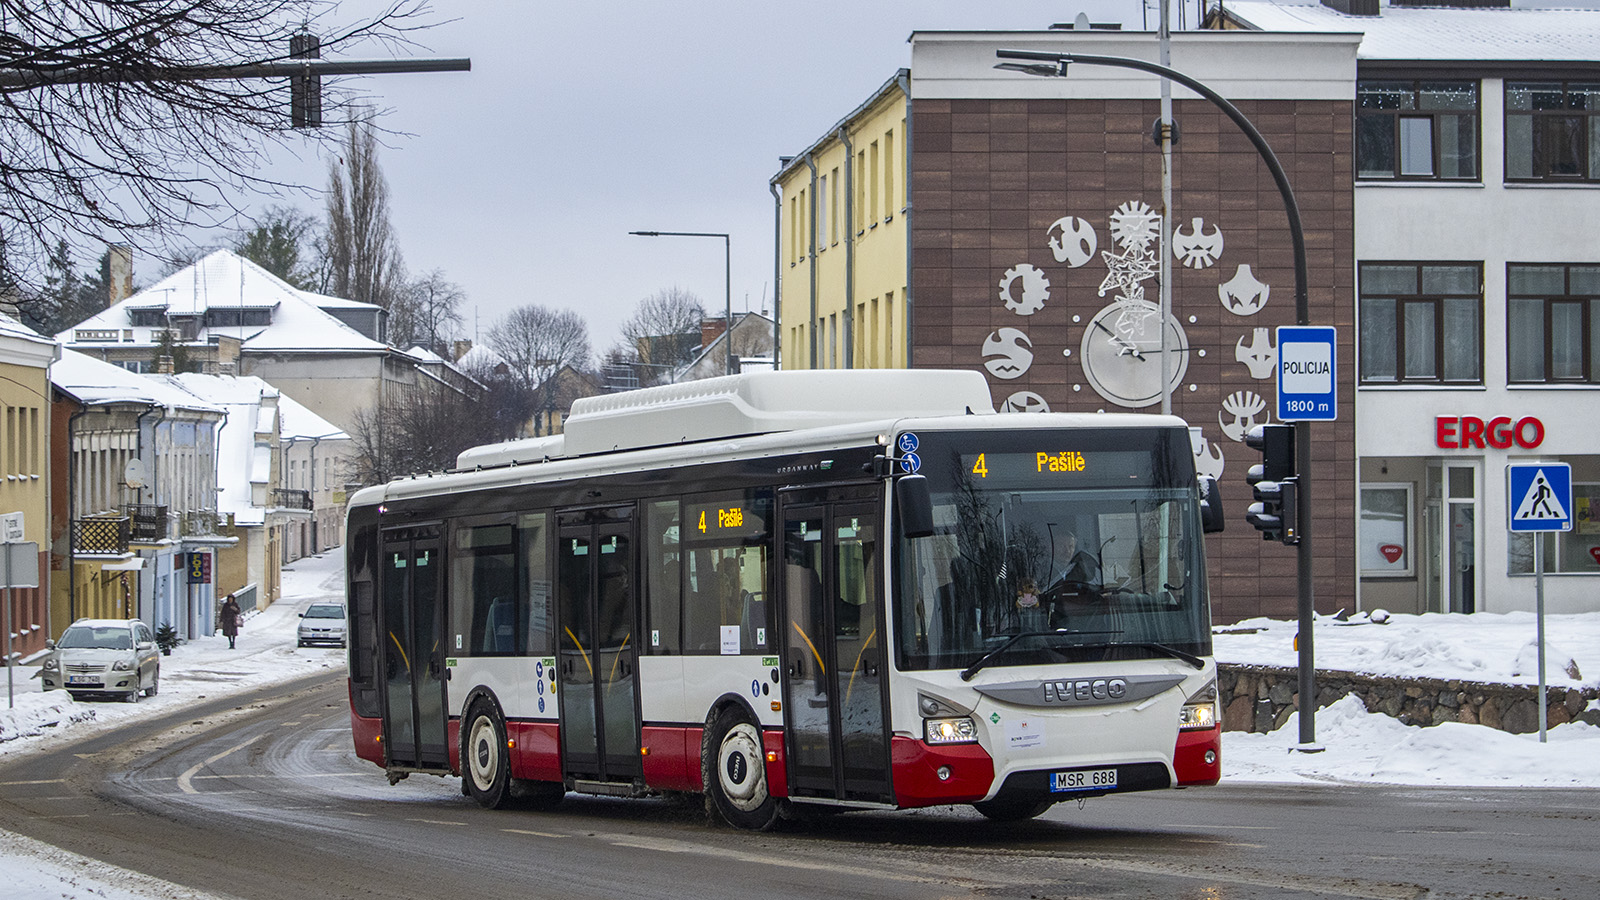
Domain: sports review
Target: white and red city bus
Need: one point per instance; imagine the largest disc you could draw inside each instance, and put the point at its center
(831, 588)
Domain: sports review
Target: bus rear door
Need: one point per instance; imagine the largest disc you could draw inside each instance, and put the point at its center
(411, 650)
(833, 647)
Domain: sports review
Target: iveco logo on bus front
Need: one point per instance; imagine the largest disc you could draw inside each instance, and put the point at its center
(1085, 690)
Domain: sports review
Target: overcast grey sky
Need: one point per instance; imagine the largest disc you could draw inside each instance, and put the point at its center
(580, 122)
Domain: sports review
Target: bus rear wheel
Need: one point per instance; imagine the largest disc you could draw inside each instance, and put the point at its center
(485, 759)
(736, 772)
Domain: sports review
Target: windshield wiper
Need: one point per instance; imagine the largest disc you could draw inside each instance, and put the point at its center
(1167, 649)
(984, 660)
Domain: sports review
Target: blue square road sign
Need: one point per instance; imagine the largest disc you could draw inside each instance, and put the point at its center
(1539, 497)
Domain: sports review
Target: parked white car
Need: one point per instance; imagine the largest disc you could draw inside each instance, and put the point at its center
(323, 623)
(104, 656)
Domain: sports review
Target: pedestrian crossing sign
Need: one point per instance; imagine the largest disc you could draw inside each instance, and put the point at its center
(1539, 496)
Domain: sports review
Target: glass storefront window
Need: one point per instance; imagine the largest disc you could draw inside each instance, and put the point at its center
(1386, 530)
(1572, 552)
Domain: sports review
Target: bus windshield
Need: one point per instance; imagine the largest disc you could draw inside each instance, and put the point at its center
(1086, 543)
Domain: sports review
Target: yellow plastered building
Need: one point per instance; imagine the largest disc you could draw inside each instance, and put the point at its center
(843, 216)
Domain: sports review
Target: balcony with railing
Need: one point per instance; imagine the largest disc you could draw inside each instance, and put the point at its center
(148, 523)
(199, 523)
(286, 498)
(101, 536)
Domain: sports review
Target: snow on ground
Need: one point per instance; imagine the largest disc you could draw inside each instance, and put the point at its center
(198, 669)
(1360, 747)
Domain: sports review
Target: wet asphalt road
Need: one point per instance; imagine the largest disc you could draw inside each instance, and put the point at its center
(262, 797)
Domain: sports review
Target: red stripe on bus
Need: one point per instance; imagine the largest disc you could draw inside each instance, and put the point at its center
(916, 773)
(1189, 759)
(777, 764)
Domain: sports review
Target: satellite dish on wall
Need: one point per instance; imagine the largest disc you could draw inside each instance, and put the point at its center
(136, 474)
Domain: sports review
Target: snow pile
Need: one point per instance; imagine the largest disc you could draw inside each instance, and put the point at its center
(1495, 648)
(38, 870)
(34, 713)
(1365, 747)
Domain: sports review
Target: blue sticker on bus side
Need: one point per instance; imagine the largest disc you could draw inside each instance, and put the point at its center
(908, 442)
(541, 687)
(541, 704)
(755, 688)
(538, 669)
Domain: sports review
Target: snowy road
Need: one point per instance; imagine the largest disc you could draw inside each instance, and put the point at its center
(261, 798)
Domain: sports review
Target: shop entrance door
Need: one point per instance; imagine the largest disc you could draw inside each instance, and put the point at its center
(1453, 523)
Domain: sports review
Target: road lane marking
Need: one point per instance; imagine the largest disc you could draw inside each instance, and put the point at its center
(534, 833)
(437, 822)
(185, 781)
(40, 781)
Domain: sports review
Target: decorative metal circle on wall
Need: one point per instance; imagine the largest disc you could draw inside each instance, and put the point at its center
(1121, 354)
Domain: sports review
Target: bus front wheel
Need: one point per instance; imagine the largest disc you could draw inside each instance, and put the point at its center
(736, 772)
(486, 762)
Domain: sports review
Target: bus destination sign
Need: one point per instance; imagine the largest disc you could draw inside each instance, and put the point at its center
(1043, 462)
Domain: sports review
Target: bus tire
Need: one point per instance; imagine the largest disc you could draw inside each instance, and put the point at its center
(485, 759)
(1011, 810)
(736, 772)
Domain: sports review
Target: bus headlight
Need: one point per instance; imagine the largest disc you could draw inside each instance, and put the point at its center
(1198, 716)
(949, 731)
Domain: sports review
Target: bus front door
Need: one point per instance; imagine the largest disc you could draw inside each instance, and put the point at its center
(412, 652)
(833, 646)
(597, 609)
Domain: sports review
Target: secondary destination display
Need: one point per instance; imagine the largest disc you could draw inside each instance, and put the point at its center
(730, 518)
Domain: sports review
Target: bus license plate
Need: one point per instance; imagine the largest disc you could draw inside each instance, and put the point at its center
(1083, 780)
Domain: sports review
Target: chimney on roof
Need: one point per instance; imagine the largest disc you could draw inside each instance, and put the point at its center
(711, 329)
(1354, 7)
(120, 274)
(460, 349)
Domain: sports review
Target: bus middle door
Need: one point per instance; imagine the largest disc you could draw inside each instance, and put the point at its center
(597, 657)
(833, 651)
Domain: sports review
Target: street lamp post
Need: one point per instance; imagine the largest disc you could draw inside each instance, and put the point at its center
(727, 282)
(1045, 63)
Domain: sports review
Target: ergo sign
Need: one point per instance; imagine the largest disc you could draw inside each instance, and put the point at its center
(1467, 432)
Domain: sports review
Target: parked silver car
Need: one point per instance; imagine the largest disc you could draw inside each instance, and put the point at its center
(323, 623)
(104, 656)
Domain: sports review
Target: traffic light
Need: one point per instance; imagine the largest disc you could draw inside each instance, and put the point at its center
(1273, 482)
(305, 90)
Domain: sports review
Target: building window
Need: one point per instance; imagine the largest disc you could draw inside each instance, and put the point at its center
(824, 221)
(1417, 130)
(1552, 324)
(833, 209)
(1552, 131)
(888, 175)
(1385, 530)
(1421, 323)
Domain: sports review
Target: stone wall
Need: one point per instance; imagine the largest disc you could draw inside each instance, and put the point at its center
(1261, 699)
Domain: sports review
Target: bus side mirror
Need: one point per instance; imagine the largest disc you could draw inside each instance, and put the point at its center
(914, 505)
(1211, 518)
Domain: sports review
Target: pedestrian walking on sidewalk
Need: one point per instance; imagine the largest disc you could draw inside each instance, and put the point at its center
(230, 619)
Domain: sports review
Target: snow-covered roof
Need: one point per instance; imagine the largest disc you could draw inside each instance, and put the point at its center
(24, 346)
(298, 422)
(225, 280)
(1440, 33)
(241, 462)
(99, 383)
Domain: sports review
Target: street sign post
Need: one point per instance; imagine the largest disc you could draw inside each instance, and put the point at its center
(21, 570)
(1308, 390)
(1539, 500)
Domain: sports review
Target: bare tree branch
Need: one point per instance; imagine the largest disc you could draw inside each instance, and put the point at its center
(147, 150)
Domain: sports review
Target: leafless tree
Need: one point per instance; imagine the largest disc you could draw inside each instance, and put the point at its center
(662, 334)
(536, 343)
(428, 313)
(422, 432)
(120, 120)
(361, 256)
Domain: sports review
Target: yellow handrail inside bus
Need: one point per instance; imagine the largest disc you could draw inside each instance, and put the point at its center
(852, 686)
(821, 669)
(618, 660)
(581, 651)
(402, 650)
